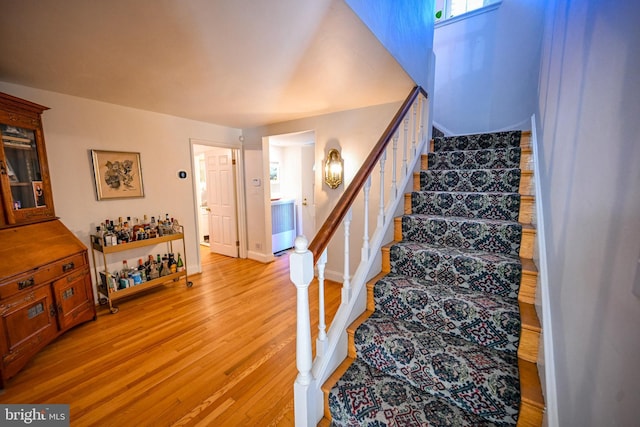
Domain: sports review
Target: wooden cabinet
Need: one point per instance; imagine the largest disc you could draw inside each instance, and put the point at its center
(45, 283)
(24, 174)
(45, 289)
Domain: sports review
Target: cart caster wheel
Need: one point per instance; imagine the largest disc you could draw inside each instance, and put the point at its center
(189, 284)
(114, 310)
(103, 301)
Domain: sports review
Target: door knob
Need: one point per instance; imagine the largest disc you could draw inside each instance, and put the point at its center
(304, 202)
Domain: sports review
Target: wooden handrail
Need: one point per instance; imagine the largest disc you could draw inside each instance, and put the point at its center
(328, 229)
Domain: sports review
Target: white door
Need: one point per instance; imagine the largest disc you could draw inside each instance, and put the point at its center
(223, 231)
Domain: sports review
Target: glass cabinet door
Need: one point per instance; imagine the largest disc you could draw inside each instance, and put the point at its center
(22, 167)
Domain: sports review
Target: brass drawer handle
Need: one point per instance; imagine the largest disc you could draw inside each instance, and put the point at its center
(68, 266)
(26, 283)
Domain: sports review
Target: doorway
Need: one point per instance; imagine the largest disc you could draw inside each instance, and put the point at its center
(291, 177)
(219, 209)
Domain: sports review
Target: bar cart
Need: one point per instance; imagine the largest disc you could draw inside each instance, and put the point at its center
(111, 293)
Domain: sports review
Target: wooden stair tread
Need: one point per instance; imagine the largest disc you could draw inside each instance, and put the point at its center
(530, 388)
(351, 330)
(529, 317)
(328, 385)
(528, 266)
(529, 228)
(324, 422)
(359, 321)
(530, 329)
(371, 304)
(335, 376)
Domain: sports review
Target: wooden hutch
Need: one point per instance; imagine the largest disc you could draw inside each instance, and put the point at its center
(45, 282)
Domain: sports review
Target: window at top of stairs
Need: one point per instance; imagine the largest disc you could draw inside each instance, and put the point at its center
(449, 11)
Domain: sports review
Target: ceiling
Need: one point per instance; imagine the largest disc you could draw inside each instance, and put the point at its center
(237, 63)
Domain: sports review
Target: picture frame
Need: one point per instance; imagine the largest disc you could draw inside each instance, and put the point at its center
(117, 174)
(274, 172)
(38, 194)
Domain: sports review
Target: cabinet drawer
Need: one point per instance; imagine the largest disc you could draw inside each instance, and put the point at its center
(42, 275)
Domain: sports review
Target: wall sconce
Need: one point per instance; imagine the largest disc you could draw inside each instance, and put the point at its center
(333, 169)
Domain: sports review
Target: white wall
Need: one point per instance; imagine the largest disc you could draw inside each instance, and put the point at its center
(405, 28)
(589, 105)
(354, 132)
(73, 126)
(487, 69)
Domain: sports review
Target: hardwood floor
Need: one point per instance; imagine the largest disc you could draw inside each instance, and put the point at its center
(221, 353)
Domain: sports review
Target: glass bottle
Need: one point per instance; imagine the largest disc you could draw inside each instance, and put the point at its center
(153, 271)
(125, 268)
(141, 272)
(99, 239)
(180, 264)
(165, 266)
(173, 265)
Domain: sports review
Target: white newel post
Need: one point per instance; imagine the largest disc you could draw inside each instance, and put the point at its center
(301, 274)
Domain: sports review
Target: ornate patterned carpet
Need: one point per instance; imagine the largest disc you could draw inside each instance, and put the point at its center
(440, 348)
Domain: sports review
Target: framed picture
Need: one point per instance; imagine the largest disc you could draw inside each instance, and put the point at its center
(38, 193)
(117, 174)
(274, 172)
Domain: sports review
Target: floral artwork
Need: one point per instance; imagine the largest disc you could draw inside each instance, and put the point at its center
(117, 174)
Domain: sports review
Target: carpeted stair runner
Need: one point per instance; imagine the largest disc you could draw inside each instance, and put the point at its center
(457, 311)
(472, 269)
(440, 347)
(503, 206)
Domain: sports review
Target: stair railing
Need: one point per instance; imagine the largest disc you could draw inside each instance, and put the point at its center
(408, 128)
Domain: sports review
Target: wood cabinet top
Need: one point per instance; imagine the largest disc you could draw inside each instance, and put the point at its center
(15, 103)
(35, 245)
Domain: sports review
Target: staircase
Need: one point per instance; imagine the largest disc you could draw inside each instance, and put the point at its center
(450, 335)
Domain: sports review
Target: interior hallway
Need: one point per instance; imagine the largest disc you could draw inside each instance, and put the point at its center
(219, 353)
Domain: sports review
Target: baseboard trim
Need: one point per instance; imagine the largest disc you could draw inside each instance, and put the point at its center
(260, 257)
(549, 369)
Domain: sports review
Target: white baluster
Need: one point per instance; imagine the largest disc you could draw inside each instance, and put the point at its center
(321, 342)
(415, 109)
(346, 284)
(365, 238)
(301, 274)
(394, 188)
(383, 159)
(405, 166)
(423, 108)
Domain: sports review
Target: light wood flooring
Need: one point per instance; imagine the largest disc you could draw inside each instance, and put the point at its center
(221, 353)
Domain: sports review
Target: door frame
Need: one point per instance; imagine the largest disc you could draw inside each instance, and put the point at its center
(241, 206)
(266, 142)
